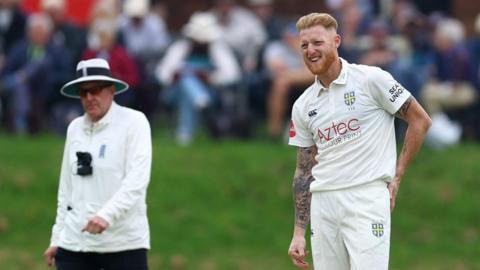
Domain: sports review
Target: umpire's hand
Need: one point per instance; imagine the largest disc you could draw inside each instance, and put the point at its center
(96, 225)
(49, 256)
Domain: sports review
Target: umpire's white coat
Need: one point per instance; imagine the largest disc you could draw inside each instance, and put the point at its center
(120, 145)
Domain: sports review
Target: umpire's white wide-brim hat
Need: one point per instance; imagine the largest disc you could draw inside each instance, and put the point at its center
(95, 69)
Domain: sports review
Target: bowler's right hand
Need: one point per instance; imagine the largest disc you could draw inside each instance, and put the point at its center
(49, 255)
(298, 252)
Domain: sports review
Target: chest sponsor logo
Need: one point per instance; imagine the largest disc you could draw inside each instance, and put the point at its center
(337, 129)
(378, 229)
(338, 133)
(395, 92)
(292, 129)
(349, 98)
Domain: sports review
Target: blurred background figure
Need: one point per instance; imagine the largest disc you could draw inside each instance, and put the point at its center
(12, 26)
(473, 129)
(73, 39)
(389, 52)
(145, 33)
(103, 43)
(12, 29)
(288, 77)
(451, 86)
(195, 70)
(242, 30)
(65, 33)
(349, 28)
(33, 71)
(146, 37)
(264, 10)
(257, 80)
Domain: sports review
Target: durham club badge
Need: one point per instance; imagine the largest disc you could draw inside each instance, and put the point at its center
(349, 98)
(377, 229)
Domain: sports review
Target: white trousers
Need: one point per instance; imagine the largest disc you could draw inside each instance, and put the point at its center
(351, 228)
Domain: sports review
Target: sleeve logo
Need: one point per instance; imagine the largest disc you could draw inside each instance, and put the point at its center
(292, 129)
(396, 91)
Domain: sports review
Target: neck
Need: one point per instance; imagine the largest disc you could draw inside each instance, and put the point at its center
(331, 74)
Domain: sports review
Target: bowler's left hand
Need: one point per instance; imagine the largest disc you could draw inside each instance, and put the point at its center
(96, 225)
(393, 189)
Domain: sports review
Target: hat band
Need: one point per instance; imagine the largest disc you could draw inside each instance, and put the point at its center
(92, 71)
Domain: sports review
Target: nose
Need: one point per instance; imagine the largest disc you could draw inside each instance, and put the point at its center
(310, 49)
(88, 96)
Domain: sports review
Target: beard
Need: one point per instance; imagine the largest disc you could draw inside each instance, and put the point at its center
(323, 64)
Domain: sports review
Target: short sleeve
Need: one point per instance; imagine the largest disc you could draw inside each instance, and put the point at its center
(386, 91)
(299, 134)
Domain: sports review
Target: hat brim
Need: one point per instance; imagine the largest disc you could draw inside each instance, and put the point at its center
(71, 88)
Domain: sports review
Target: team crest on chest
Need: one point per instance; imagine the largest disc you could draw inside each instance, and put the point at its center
(349, 98)
(101, 152)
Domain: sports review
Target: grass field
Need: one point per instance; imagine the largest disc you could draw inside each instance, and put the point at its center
(227, 205)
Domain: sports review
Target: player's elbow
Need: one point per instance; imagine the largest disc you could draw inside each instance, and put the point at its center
(424, 123)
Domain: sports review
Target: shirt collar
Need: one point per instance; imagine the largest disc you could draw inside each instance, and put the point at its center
(341, 79)
(91, 127)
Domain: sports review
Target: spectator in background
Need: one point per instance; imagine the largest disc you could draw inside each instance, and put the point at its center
(450, 86)
(102, 43)
(341, 9)
(348, 29)
(12, 30)
(194, 70)
(288, 74)
(257, 80)
(105, 9)
(242, 31)
(146, 37)
(65, 33)
(12, 26)
(145, 34)
(33, 69)
(416, 29)
(389, 53)
(265, 12)
(474, 50)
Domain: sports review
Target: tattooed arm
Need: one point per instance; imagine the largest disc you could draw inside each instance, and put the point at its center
(301, 185)
(418, 124)
(302, 196)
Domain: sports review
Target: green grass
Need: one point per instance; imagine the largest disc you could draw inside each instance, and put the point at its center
(227, 205)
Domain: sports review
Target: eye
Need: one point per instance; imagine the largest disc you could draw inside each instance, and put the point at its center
(304, 46)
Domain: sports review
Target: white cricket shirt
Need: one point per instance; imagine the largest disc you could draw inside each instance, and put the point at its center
(352, 125)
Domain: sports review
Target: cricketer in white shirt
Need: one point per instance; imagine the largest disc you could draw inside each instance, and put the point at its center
(347, 173)
(352, 126)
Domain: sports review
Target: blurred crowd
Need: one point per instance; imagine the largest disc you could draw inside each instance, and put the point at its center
(230, 68)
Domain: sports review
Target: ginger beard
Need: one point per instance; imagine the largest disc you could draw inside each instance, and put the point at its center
(321, 65)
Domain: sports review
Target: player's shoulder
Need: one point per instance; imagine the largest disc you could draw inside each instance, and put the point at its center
(367, 72)
(307, 95)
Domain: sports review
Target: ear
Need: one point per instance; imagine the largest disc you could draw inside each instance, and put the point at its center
(112, 89)
(337, 40)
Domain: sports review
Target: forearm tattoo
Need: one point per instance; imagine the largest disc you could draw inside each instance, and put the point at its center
(301, 184)
(404, 109)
